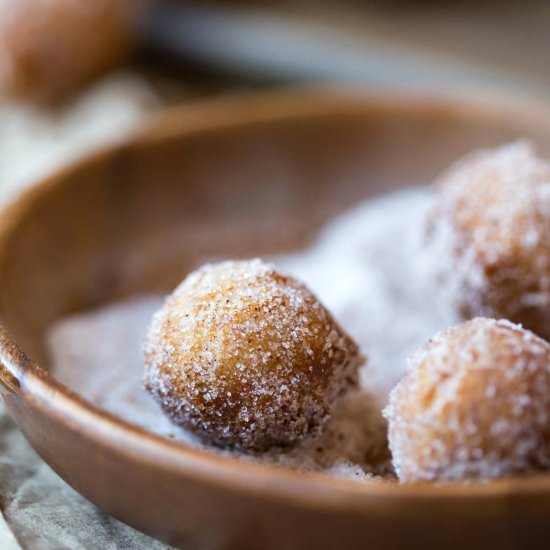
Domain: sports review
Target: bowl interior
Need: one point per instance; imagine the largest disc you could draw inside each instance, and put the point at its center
(244, 177)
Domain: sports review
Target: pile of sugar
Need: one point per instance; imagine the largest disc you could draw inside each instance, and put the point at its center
(366, 267)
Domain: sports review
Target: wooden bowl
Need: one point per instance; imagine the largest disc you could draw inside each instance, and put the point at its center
(239, 177)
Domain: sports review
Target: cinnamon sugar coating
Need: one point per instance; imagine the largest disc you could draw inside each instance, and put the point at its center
(248, 358)
(490, 230)
(475, 404)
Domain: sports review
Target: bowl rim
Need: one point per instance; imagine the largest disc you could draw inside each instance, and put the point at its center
(23, 378)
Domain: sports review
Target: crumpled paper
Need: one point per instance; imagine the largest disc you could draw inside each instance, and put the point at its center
(39, 510)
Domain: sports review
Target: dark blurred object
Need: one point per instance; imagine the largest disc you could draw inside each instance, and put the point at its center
(326, 43)
(496, 46)
(48, 49)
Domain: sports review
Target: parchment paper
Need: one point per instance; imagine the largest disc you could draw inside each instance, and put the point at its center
(40, 511)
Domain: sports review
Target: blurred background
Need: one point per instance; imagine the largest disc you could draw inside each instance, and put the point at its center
(75, 73)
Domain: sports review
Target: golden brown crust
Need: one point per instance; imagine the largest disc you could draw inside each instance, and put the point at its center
(248, 358)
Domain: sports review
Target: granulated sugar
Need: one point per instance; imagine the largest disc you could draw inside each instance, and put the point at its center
(366, 267)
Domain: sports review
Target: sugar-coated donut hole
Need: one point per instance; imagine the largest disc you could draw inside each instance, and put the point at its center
(49, 49)
(475, 404)
(489, 230)
(248, 358)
